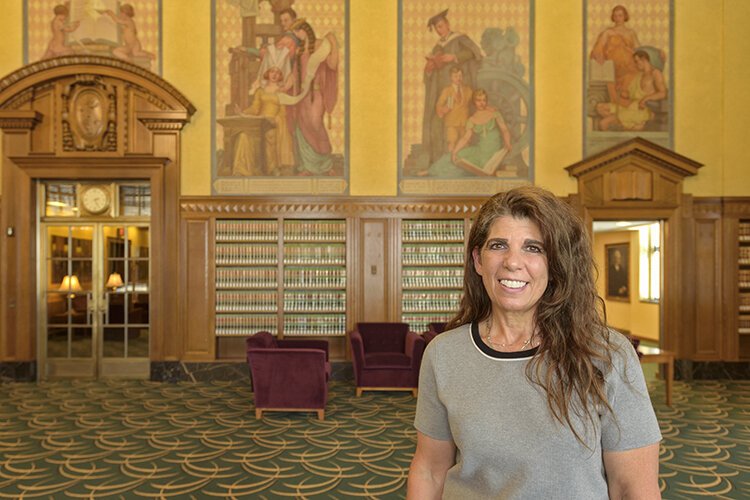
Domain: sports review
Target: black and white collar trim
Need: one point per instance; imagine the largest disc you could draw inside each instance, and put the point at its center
(492, 353)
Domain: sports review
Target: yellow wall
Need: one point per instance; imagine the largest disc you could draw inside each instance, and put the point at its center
(711, 101)
(639, 318)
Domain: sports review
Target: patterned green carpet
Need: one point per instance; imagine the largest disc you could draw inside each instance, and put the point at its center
(128, 439)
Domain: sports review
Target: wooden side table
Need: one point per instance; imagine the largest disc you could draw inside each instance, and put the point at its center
(656, 355)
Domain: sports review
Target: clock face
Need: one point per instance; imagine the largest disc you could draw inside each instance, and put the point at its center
(95, 200)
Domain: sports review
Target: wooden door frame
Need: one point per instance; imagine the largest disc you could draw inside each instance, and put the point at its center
(143, 117)
(642, 180)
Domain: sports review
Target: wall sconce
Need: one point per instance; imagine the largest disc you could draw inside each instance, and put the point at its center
(114, 281)
(70, 284)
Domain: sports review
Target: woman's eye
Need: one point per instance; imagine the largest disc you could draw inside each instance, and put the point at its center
(534, 249)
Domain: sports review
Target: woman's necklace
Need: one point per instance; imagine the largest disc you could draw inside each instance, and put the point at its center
(504, 346)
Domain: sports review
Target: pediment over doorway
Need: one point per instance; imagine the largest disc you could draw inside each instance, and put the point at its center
(634, 173)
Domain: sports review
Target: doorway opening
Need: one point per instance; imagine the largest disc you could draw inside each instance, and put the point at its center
(630, 258)
(94, 279)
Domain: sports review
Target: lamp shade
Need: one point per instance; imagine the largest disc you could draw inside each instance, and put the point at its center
(70, 284)
(114, 280)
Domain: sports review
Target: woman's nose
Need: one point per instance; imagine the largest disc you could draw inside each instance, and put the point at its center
(512, 260)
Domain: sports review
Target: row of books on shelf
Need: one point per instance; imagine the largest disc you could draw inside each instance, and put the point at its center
(432, 301)
(744, 257)
(330, 230)
(744, 231)
(744, 324)
(246, 277)
(233, 254)
(744, 278)
(419, 323)
(319, 324)
(745, 302)
(246, 301)
(315, 254)
(315, 301)
(425, 282)
(245, 324)
(315, 277)
(247, 230)
(433, 259)
(432, 230)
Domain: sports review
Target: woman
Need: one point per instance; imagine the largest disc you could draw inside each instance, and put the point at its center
(306, 117)
(482, 147)
(529, 395)
(617, 44)
(493, 136)
(277, 141)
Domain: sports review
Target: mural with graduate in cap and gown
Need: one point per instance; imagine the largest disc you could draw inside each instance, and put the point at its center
(465, 100)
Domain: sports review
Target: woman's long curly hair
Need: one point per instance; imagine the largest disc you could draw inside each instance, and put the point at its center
(575, 351)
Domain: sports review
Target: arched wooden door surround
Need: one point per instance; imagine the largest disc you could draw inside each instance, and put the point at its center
(134, 133)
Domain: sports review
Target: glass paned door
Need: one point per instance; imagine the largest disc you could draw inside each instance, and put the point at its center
(95, 282)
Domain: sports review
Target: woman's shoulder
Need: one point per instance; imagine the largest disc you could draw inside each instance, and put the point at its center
(450, 338)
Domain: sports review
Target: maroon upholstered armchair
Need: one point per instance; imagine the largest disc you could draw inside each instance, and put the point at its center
(288, 375)
(433, 330)
(386, 357)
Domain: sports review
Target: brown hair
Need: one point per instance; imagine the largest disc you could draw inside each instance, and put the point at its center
(307, 45)
(575, 350)
(624, 11)
(60, 10)
(127, 9)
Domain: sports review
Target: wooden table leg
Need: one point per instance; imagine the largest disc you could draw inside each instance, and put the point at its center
(670, 379)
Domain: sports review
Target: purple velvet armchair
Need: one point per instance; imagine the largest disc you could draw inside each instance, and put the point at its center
(386, 357)
(433, 330)
(288, 375)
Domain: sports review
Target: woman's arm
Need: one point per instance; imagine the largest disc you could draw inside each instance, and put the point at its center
(462, 142)
(504, 132)
(633, 473)
(430, 464)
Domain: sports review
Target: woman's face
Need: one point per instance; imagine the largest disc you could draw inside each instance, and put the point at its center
(513, 265)
(619, 16)
(274, 75)
(480, 101)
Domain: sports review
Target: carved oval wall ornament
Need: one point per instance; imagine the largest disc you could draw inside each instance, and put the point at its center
(89, 114)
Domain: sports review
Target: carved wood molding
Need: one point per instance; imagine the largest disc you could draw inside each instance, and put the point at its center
(166, 120)
(737, 206)
(19, 119)
(350, 207)
(33, 69)
(637, 148)
(706, 208)
(89, 114)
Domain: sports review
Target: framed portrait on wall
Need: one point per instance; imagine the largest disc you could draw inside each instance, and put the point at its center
(128, 30)
(628, 73)
(466, 100)
(617, 274)
(279, 97)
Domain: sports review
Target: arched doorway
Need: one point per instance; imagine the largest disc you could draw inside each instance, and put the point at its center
(93, 121)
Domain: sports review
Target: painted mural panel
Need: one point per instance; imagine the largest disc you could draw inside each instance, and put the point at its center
(127, 30)
(628, 78)
(279, 97)
(466, 99)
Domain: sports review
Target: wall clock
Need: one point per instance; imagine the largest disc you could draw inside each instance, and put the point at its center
(95, 199)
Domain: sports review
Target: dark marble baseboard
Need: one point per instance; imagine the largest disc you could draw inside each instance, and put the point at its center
(19, 371)
(178, 371)
(711, 370)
